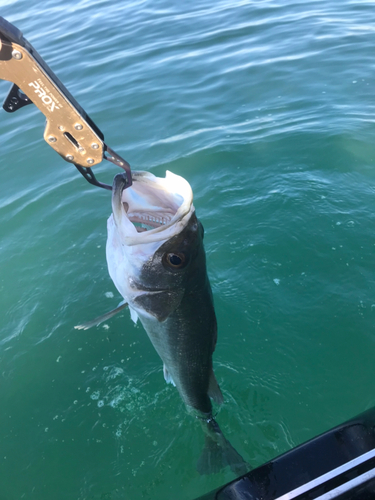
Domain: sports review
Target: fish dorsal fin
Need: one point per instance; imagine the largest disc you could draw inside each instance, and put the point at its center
(167, 376)
(214, 390)
(100, 319)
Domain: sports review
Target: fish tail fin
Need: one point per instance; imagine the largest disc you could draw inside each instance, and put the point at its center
(218, 453)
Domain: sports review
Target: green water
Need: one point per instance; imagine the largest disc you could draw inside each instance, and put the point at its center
(267, 109)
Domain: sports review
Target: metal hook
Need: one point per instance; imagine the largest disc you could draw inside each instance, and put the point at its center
(88, 174)
(114, 158)
(120, 162)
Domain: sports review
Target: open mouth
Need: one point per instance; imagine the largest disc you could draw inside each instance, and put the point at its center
(145, 220)
(152, 203)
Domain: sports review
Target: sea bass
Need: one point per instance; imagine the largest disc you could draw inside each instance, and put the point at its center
(157, 262)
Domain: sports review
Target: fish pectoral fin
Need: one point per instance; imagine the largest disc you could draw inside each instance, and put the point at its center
(100, 319)
(167, 376)
(214, 390)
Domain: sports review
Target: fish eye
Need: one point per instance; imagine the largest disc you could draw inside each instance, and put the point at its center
(175, 260)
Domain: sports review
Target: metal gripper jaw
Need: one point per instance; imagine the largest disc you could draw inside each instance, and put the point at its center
(69, 130)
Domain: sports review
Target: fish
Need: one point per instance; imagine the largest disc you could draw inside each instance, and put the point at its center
(156, 260)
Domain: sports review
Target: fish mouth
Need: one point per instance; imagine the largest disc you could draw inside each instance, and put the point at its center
(139, 287)
(151, 205)
(147, 220)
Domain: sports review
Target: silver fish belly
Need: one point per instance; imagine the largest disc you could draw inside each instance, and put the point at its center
(157, 261)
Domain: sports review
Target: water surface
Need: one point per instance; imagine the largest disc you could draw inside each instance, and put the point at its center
(267, 109)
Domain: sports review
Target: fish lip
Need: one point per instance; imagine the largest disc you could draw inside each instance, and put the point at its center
(119, 183)
(118, 186)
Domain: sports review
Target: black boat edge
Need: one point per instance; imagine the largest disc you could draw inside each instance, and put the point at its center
(338, 464)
